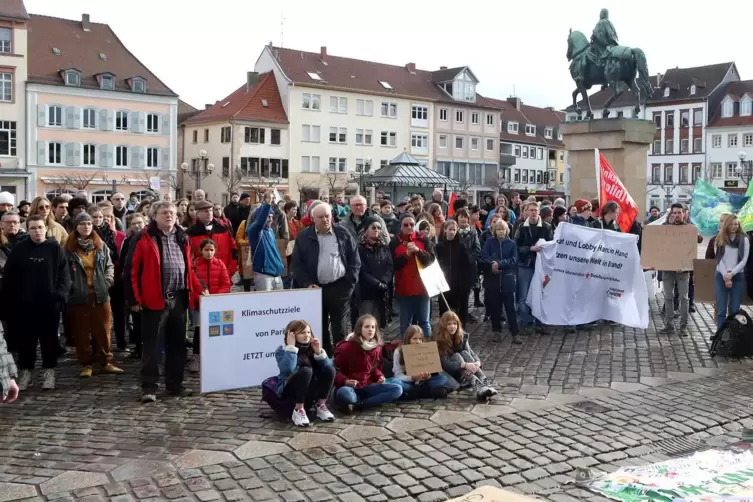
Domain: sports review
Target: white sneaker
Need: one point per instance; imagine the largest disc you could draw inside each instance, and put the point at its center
(299, 418)
(49, 379)
(24, 379)
(322, 413)
(195, 365)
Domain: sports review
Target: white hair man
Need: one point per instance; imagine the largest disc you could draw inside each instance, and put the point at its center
(359, 213)
(199, 195)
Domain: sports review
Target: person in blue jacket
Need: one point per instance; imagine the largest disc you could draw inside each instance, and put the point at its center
(266, 261)
(500, 263)
(306, 373)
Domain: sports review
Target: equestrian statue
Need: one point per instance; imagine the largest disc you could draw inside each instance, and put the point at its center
(604, 62)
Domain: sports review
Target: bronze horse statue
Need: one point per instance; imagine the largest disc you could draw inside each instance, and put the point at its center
(619, 66)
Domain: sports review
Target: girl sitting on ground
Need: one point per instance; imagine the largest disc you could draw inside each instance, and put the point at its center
(306, 373)
(424, 385)
(458, 359)
(359, 380)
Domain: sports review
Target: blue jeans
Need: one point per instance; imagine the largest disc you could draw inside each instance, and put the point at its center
(372, 395)
(724, 296)
(434, 382)
(414, 309)
(525, 275)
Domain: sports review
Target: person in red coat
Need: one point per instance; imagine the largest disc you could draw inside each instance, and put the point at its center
(210, 278)
(207, 227)
(161, 278)
(359, 380)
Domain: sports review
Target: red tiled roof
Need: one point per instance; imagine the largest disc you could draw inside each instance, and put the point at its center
(544, 117)
(736, 90)
(511, 114)
(706, 78)
(13, 9)
(364, 76)
(246, 104)
(81, 49)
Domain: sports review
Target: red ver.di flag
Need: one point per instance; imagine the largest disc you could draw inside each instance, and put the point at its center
(611, 188)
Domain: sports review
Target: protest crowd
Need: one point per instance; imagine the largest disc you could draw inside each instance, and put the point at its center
(74, 272)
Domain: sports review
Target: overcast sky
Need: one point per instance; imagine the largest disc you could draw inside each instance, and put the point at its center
(202, 49)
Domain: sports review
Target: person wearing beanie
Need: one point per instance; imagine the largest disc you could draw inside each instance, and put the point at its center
(559, 215)
(237, 210)
(582, 213)
(546, 214)
(93, 274)
(7, 201)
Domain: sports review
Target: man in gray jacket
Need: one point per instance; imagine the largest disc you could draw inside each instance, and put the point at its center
(354, 220)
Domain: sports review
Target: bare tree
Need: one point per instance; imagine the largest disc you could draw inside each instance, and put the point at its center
(235, 179)
(143, 178)
(259, 184)
(501, 184)
(335, 182)
(79, 180)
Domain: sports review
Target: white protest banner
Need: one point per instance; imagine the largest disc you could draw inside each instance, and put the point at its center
(240, 332)
(154, 182)
(276, 197)
(585, 275)
(433, 278)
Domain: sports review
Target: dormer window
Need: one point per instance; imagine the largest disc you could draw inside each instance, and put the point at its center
(548, 132)
(72, 77)
(464, 88)
(559, 136)
(106, 81)
(728, 107)
(314, 75)
(746, 106)
(692, 90)
(56, 51)
(530, 130)
(138, 84)
(512, 127)
(666, 92)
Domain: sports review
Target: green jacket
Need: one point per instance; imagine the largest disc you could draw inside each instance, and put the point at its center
(104, 276)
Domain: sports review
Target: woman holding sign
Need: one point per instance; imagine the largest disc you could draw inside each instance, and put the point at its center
(732, 249)
(424, 385)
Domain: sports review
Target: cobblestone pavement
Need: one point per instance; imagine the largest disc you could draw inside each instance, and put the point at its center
(604, 397)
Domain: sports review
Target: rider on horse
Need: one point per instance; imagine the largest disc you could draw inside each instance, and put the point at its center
(603, 38)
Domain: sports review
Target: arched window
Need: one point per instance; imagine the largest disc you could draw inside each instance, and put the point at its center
(101, 195)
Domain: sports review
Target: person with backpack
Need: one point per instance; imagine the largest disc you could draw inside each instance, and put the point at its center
(210, 278)
(306, 374)
(731, 251)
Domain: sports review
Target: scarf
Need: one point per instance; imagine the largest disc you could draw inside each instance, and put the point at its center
(370, 243)
(367, 346)
(464, 231)
(304, 359)
(108, 237)
(87, 244)
(733, 241)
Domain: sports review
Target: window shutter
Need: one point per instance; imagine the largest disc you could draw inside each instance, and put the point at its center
(110, 155)
(142, 121)
(41, 115)
(77, 147)
(133, 122)
(165, 124)
(102, 155)
(110, 121)
(70, 158)
(41, 152)
(165, 162)
(141, 156)
(70, 117)
(103, 120)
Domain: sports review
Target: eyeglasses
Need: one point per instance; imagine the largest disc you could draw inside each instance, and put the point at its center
(409, 225)
(44, 206)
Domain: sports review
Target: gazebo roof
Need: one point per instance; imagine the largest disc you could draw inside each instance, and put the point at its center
(405, 170)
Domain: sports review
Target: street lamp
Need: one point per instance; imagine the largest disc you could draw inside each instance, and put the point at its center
(364, 169)
(743, 173)
(201, 170)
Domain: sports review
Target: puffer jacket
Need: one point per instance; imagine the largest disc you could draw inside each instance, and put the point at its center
(287, 361)
(209, 274)
(355, 363)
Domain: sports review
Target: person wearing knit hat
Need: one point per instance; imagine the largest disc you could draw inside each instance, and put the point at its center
(559, 215)
(7, 201)
(244, 196)
(583, 213)
(92, 271)
(546, 214)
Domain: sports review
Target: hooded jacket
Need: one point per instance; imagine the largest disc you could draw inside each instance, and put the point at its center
(263, 245)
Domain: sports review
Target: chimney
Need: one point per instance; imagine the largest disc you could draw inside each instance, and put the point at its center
(550, 108)
(85, 22)
(207, 106)
(252, 78)
(442, 67)
(514, 100)
(411, 67)
(658, 78)
(323, 53)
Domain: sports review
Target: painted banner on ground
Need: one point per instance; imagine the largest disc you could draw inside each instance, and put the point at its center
(612, 189)
(241, 331)
(586, 274)
(709, 475)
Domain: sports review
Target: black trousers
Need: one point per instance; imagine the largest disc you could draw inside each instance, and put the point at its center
(197, 340)
(335, 313)
(309, 384)
(117, 304)
(169, 323)
(39, 328)
(496, 300)
(457, 301)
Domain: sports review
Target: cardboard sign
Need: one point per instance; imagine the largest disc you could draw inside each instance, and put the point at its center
(704, 276)
(421, 358)
(669, 247)
(492, 494)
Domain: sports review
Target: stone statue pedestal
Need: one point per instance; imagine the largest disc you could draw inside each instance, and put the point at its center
(623, 142)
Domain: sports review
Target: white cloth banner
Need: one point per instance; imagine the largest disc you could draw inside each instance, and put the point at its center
(585, 275)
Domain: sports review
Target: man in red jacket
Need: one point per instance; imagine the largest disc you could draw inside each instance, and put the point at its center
(161, 275)
(207, 227)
